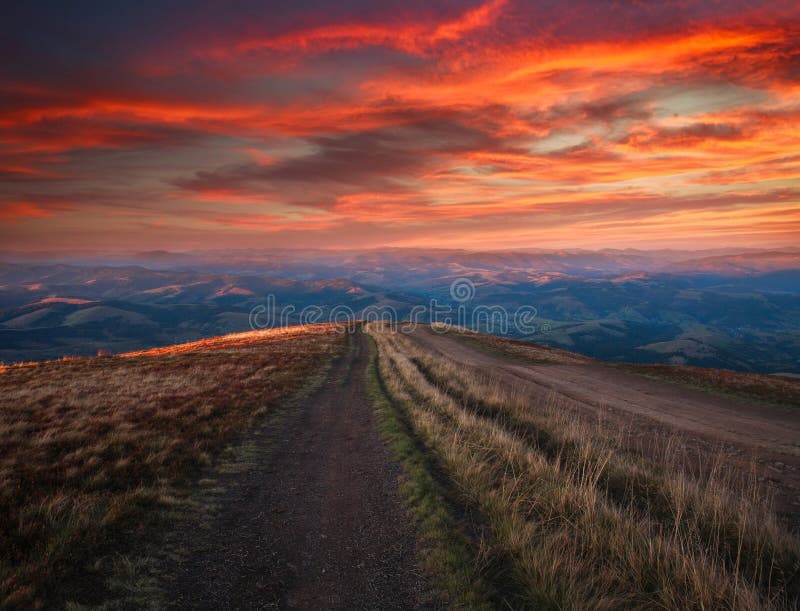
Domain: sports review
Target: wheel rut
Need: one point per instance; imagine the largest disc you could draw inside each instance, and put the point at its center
(317, 523)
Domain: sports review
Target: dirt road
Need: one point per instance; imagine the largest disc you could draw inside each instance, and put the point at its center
(317, 523)
(745, 432)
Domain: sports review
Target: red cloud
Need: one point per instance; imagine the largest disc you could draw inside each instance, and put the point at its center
(11, 211)
(410, 120)
(411, 37)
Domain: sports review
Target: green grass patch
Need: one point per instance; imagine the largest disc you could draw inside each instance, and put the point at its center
(447, 553)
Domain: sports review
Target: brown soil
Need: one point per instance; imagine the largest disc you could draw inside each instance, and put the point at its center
(749, 435)
(316, 524)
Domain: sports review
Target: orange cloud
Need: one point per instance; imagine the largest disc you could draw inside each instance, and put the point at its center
(16, 211)
(428, 119)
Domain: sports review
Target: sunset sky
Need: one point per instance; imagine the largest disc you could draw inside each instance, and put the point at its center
(484, 124)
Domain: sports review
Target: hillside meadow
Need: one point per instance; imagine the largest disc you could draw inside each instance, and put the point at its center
(541, 507)
(95, 452)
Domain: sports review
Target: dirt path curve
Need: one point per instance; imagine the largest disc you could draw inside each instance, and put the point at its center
(597, 385)
(743, 430)
(317, 524)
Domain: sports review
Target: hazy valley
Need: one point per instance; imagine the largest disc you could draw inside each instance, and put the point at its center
(737, 310)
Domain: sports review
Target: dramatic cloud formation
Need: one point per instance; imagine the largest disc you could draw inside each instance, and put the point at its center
(489, 123)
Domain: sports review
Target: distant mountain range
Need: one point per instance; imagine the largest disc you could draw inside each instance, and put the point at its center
(318, 264)
(731, 309)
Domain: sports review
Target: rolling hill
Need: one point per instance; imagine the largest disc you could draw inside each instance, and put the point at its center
(735, 310)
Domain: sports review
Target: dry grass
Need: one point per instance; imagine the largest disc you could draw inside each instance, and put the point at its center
(446, 550)
(770, 388)
(761, 387)
(585, 522)
(91, 450)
